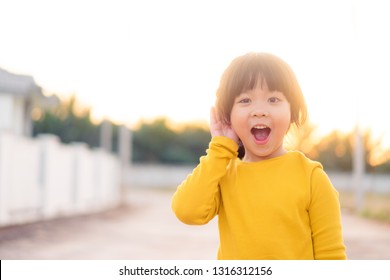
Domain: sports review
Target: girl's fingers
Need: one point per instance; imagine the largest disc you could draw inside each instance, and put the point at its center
(215, 126)
(213, 115)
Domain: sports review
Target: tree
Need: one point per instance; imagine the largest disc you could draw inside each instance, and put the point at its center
(156, 142)
(70, 122)
(335, 151)
(151, 140)
(303, 139)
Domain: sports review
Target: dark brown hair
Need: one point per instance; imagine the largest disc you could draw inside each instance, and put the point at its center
(247, 70)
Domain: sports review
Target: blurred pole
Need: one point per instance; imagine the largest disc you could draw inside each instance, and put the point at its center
(106, 136)
(358, 154)
(358, 169)
(125, 153)
(124, 146)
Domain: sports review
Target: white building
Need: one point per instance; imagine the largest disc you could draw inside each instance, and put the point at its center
(42, 178)
(18, 95)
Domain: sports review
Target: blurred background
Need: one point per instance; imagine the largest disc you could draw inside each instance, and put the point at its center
(99, 99)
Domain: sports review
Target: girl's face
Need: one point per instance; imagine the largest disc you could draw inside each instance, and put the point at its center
(261, 119)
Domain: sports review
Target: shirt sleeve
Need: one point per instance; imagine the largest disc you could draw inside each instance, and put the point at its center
(325, 217)
(196, 201)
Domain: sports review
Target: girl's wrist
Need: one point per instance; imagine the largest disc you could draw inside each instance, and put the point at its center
(224, 140)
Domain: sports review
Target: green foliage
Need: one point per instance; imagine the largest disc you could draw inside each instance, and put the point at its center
(335, 152)
(67, 125)
(150, 141)
(157, 142)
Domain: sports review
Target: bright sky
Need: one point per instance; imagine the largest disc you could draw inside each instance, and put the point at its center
(142, 59)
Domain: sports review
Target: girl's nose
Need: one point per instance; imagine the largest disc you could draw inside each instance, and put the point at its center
(259, 113)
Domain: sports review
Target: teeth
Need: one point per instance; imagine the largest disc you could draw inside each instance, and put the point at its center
(260, 126)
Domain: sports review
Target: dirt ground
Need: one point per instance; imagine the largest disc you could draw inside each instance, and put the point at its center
(146, 229)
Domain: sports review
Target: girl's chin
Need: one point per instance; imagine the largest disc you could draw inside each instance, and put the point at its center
(262, 152)
(261, 141)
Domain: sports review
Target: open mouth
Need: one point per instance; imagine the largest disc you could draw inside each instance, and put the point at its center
(261, 132)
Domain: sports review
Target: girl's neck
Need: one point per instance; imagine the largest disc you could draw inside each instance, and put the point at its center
(256, 158)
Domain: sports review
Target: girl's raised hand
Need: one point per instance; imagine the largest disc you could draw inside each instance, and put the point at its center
(219, 128)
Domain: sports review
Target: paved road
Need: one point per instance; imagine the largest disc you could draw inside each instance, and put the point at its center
(147, 229)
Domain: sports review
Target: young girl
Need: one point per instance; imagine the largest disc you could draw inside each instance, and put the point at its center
(271, 203)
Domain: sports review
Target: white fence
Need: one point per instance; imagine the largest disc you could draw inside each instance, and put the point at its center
(370, 183)
(42, 179)
(160, 176)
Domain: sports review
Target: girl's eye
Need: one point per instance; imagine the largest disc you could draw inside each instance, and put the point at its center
(273, 100)
(244, 100)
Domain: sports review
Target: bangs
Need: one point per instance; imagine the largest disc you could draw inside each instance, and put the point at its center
(254, 71)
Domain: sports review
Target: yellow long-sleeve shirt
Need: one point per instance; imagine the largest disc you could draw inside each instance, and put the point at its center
(280, 208)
